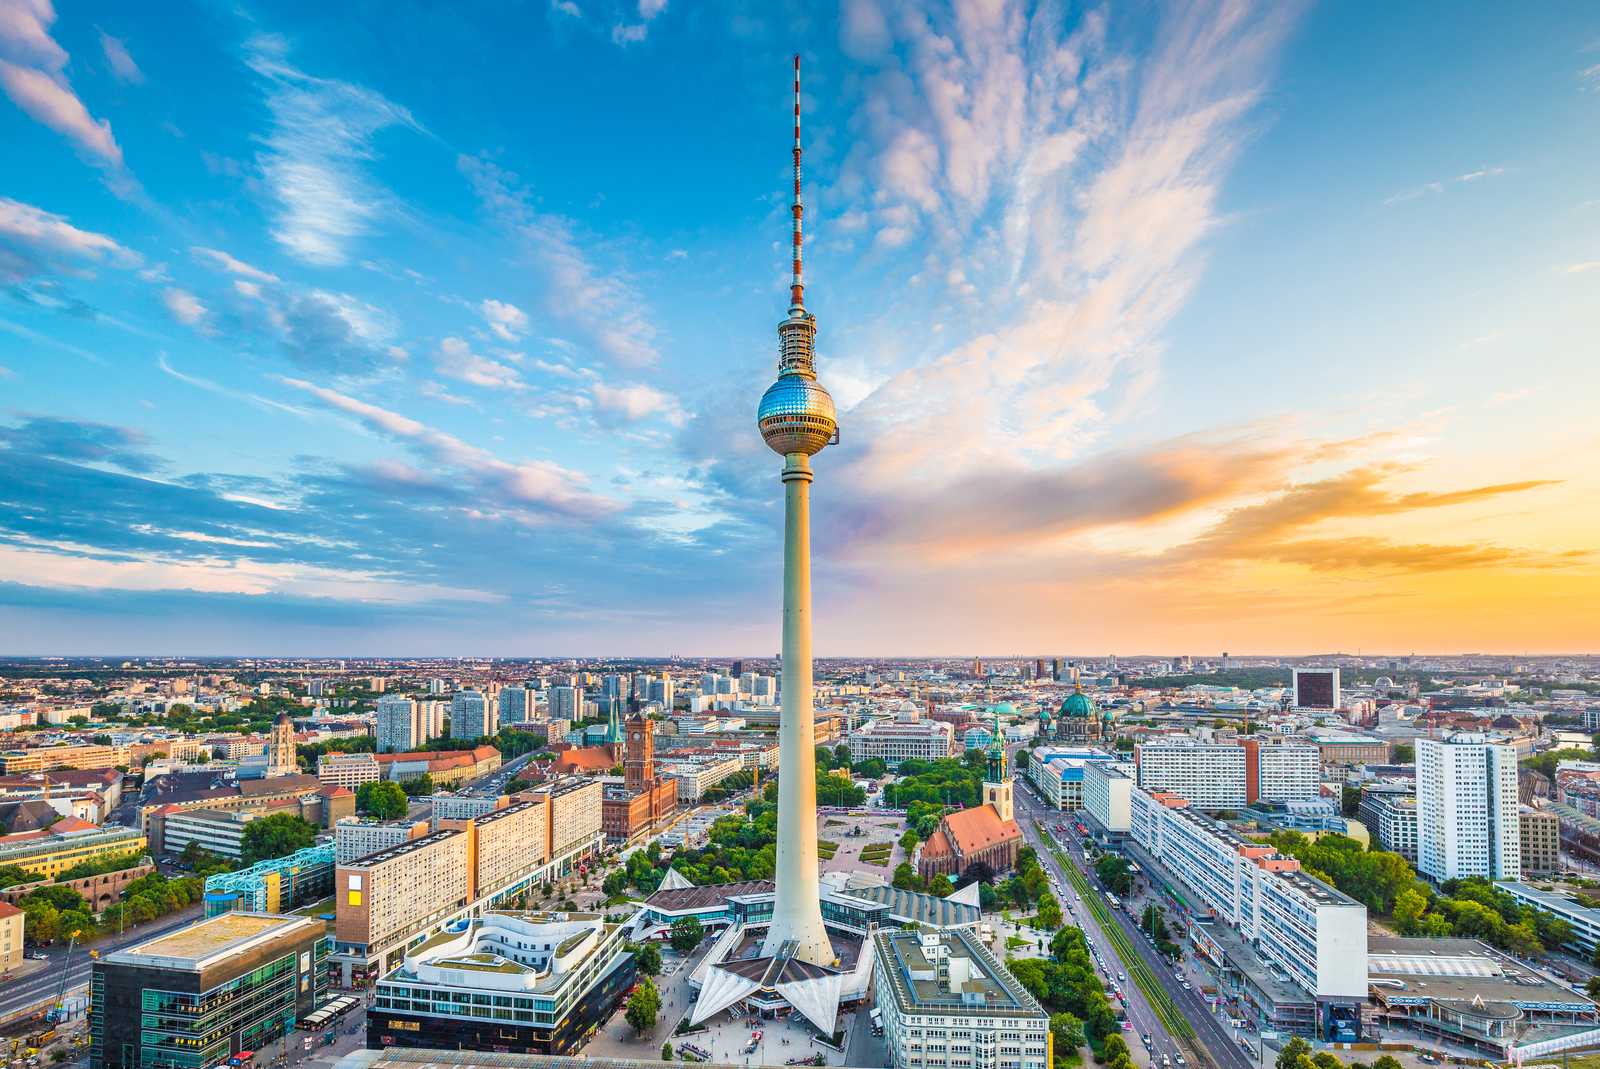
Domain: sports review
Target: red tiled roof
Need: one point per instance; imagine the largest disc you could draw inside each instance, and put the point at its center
(8, 910)
(336, 792)
(937, 845)
(979, 829)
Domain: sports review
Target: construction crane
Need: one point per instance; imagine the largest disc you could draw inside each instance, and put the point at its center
(59, 1013)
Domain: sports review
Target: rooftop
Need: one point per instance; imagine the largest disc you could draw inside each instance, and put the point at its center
(920, 983)
(402, 849)
(200, 945)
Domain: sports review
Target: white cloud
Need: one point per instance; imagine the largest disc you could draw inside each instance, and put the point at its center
(51, 234)
(457, 360)
(183, 306)
(632, 33)
(122, 64)
(633, 402)
(232, 266)
(614, 320)
(566, 7)
(248, 289)
(1502, 398)
(1413, 194)
(1480, 174)
(1575, 268)
(321, 138)
(506, 320)
(33, 75)
(538, 485)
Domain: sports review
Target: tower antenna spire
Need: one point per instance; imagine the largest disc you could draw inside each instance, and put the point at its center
(797, 301)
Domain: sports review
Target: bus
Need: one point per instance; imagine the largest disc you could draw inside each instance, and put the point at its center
(1116, 903)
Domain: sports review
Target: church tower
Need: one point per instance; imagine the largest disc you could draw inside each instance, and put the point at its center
(282, 760)
(996, 784)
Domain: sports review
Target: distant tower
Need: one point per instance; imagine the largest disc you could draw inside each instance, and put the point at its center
(282, 761)
(797, 420)
(996, 784)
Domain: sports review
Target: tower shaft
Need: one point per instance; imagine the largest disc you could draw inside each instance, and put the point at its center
(797, 910)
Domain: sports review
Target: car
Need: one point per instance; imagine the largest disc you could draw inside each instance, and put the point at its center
(1148, 1045)
(1166, 1063)
(1186, 986)
(1178, 1058)
(1121, 978)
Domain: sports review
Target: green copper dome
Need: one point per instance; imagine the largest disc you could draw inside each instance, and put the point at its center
(1077, 706)
(1006, 709)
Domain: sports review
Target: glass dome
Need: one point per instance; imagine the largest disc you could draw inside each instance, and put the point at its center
(797, 416)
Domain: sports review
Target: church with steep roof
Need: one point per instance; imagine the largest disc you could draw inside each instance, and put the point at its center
(987, 832)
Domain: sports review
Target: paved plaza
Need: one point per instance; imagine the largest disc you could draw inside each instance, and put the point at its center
(840, 828)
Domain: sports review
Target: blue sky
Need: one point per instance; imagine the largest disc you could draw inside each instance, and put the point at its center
(342, 328)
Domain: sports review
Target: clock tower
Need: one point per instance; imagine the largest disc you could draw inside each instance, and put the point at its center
(639, 770)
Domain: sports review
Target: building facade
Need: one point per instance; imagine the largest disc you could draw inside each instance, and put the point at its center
(1209, 777)
(519, 983)
(946, 1001)
(472, 715)
(1541, 841)
(348, 770)
(355, 837)
(901, 740)
(1390, 815)
(1467, 809)
(1107, 795)
(399, 725)
(201, 995)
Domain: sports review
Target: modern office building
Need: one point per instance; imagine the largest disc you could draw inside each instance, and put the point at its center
(1208, 776)
(1107, 796)
(201, 995)
(1541, 841)
(472, 715)
(1316, 688)
(904, 738)
(946, 1001)
(661, 692)
(1281, 918)
(519, 983)
(1467, 808)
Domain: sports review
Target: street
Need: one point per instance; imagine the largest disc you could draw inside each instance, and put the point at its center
(1212, 1039)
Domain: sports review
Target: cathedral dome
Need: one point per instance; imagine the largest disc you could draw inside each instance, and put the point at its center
(1006, 709)
(1077, 706)
(282, 718)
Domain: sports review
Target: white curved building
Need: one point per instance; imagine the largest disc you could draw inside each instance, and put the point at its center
(533, 983)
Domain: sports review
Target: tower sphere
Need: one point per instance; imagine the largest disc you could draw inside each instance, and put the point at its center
(797, 416)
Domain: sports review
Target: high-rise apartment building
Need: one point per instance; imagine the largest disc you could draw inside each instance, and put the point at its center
(384, 899)
(661, 691)
(399, 725)
(355, 838)
(566, 703)
(1467, 808)
(1208, 777)
(1281, 771)
(574, 816)
(472, 716)
(1389, 812)
(517, 704)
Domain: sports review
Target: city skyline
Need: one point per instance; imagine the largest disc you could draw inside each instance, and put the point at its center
(1237, 327)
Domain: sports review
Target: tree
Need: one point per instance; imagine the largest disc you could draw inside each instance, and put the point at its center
(643, 1006)
(275, 836)
(1405, 754)
(1049, 911)
(385, 800)
(1326, 1060)
(927, 826)
(977, 872)
(1022, 759)
(1068, 1032)
(909, 841)
(940, 885)
(906, 878)
(1291, 1052)
(1409, 905)
(1387, 1062)
(1349, 801)
(666, 1052)
(686, 934)
(648, 959)
(1592, 987)
(421, 785)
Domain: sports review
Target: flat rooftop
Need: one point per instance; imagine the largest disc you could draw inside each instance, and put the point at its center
(201, 945)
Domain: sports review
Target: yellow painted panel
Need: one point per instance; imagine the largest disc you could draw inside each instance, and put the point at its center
(355, 898)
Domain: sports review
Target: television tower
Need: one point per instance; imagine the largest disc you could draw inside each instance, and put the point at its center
(797, 419)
